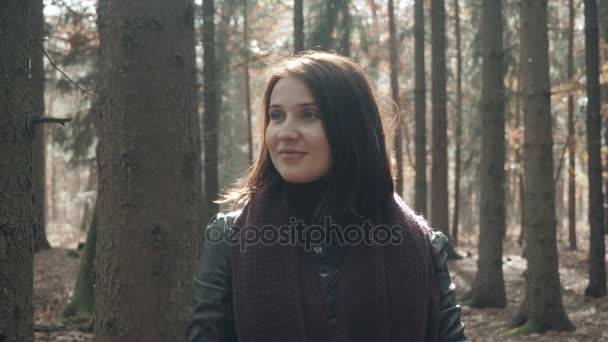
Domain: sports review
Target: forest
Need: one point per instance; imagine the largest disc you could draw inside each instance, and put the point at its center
(122, 122)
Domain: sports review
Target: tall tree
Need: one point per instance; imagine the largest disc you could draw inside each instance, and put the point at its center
(347, 28)
(489, 285)
(521, 76)
(148, 170)
(210, 113)
(398, 140)
(325, 15)
(298, 25)
(81, 306)
(542, 308)
(440, 215)
(420, 108)
(597, 248)
(571, 134)
(246, 81)
(16, 205)
(603, 21)
(39, 146)
(458, 124)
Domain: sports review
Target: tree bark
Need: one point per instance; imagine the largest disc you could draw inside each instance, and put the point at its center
(489, 285)
(439, 171)
(597, 249)
(148, 160)
(458, 124)
(39, 145)
(210, 113)
(420, 109)
(571, 135)
(16, 193)
(298, 25)
(543, 309)
(398, 139)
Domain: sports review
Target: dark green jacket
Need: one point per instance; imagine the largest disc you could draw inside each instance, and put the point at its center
(212, 316)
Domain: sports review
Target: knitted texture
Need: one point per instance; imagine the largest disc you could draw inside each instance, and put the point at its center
(385, 293)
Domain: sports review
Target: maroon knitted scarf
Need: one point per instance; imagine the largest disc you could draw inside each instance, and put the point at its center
(385, 292)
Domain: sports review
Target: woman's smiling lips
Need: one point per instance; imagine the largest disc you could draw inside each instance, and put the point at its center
(291, 154)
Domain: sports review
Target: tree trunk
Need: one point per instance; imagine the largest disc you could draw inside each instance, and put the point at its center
(489, 285)
(597, 248)
(81, 306)
(321, 35)
(603, 21)
(458, 123)
(543, 309)
(210, 113)
(148, 170)
(398, 139)
(39, 146)
(247, 89)
(298, 25)
(518, 151)
(420, 109)
(16, 193)
(571, 135)
(347, 27)
(439, 172)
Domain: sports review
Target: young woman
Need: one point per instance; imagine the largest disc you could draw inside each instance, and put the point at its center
(323, 250)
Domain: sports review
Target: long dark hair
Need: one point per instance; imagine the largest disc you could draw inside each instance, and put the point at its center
(360, 176)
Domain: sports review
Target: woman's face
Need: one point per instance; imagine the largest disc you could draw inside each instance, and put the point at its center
(295, 136)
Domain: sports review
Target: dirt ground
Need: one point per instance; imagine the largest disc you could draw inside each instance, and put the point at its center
(55, 271)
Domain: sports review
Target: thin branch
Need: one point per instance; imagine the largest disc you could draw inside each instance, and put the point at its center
(35, 120)
(61, 71)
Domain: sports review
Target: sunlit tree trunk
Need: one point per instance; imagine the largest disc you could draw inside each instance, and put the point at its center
(16, 193)
(148, 160)
(489, 285)
(398, 139)
(420, 109)
(597, 248)
(542, 308)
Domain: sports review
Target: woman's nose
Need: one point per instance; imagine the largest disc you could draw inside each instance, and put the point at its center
(288, 129)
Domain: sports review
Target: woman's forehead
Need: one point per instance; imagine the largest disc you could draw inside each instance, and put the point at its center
(291, 91)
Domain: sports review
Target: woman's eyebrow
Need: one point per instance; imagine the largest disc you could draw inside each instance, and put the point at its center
(305, 104)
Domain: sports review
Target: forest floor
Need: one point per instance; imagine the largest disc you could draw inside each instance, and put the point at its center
(55, 271)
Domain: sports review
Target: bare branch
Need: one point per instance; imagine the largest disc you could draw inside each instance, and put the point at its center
(50, 119)
(61, 71)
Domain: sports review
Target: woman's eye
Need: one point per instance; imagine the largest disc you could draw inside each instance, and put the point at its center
(310, 114)
(276, 116)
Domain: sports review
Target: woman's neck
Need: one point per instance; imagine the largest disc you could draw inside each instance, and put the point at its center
(305, 197)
